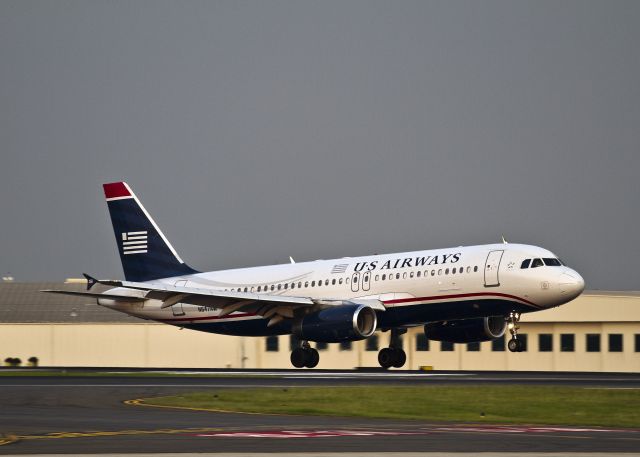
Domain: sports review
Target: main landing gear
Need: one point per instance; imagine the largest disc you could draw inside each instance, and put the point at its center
(394, 355)
(514, 344)
(304, 356)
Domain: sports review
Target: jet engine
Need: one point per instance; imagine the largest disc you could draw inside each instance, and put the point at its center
(467, 330)
(348, 322)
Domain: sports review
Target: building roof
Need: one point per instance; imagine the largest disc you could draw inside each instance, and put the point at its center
(22, 302)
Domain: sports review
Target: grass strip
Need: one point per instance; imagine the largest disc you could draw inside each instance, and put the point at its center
(505, 404)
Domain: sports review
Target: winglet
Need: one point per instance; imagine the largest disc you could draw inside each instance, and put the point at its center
(91, 281)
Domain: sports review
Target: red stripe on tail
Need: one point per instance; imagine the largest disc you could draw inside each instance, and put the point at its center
(115, 190)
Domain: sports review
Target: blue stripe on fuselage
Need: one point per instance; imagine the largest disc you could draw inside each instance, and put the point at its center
(392, 317)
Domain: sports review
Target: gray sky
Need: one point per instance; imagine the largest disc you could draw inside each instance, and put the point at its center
(255, 130)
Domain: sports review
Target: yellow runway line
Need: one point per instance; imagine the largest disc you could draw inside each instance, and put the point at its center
(141, 402)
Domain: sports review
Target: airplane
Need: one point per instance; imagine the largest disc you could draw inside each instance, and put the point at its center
(459, 295)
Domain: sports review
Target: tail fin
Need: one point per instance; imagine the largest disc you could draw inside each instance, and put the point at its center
(144, 251)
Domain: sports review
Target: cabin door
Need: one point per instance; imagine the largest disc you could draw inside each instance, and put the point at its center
(355, 282)
(366, 280)
(491, 267)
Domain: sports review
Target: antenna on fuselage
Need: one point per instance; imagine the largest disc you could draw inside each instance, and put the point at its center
(291, 259)
(504, 241)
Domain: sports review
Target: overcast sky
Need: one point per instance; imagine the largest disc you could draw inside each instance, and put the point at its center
(256, 130)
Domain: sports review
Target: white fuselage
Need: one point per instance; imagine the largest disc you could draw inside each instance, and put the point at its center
(482, 280)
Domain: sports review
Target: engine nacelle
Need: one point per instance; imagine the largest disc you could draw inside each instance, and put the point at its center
(339, 323)
(467, 330)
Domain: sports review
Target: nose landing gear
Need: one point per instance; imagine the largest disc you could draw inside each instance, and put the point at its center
(394, 355)
(514, 344)
(305, 356)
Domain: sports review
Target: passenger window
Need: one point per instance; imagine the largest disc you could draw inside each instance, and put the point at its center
(286, 286)
(377, 277)
(475, 269)
(333, 282)
(259, 288)
(536, 263)
(313, 283)
(306, 283)
(340, 281)
(525, 264)
(252, 289)
(293, 285)
(433, 272)
(446, 271)
(300, 285)
(246, 289)
(384, 277)
(468, 269)
(439, 271)
(279, 285)
(418, 274)
(326, 282)
(404, 275)
(346, 281)
(411, 274)
(272, 287)
(397, 275)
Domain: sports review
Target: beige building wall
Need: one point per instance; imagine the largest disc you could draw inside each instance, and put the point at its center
(158, 345)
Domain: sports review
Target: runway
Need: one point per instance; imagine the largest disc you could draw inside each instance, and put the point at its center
(82, 415)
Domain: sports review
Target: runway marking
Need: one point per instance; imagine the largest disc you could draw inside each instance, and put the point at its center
(564, 432)
(285, 434)
(140, 402)
(530, 429)
(95, 434)
(8, 439)
(313, 432)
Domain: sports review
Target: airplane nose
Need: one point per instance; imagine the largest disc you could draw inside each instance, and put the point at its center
(571, 284)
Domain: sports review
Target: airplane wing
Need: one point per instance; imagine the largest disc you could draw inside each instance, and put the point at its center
(95, 295)
(276, 308)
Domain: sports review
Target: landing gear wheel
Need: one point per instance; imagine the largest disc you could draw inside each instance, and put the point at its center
(298, 357)
(312, 358)
(386, 358)
(515, 345)
(391, 357)
(399, 358)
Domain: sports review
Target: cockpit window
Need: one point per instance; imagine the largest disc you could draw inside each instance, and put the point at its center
(525, 263)
(552, 262)
(536, 263)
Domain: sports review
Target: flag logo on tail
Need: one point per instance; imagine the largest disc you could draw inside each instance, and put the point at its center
(134, 242)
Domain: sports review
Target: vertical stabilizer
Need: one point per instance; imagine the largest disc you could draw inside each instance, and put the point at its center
(145, 252)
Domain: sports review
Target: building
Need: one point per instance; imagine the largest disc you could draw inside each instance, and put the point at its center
(599, 331)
